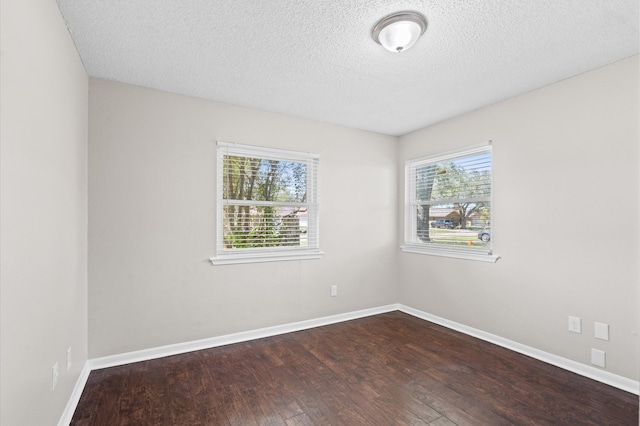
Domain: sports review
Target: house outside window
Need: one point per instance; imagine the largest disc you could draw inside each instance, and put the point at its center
(448, 204)
(267, 205)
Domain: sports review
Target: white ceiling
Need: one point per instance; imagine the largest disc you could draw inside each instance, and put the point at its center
(316, 59)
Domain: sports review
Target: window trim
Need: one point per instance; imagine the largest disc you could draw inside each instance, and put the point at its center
(410, 246)
(267, 254)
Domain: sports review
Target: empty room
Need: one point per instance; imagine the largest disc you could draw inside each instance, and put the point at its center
(319, 212)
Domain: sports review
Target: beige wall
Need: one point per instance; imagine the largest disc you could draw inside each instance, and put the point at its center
(565, 211)
(43, 213)
(152, 222)
(152, 228)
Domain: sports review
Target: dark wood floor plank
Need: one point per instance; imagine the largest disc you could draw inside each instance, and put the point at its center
(239, 412)
(181, 403)
(315, 408)
(433, 389)
(262, 406)
(388, 369)
(300, 420)
(442, 421)
(91, 401)
(106, 412)
(286, 405)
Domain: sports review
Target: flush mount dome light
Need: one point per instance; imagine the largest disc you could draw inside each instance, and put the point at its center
(399, 31)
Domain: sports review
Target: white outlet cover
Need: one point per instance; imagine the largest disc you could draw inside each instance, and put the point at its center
(575, 324)
(601, 331)
(598, 357)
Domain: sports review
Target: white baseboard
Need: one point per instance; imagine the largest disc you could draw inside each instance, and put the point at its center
(606, 377)
(67, 414)
(196, 345)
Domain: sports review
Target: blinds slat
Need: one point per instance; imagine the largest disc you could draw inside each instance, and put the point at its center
(263, 203)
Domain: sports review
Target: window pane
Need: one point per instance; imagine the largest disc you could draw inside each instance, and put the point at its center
(267, 204)
(464, 177)
(247, 226)
(259, 179)
(459, 224)
(449, 201)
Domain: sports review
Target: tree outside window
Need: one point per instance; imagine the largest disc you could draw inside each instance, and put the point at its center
(449, 200)
(267, 204)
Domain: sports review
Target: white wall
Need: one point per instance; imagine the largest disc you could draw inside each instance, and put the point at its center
(152, 222)
(565, 220)
(43, 213)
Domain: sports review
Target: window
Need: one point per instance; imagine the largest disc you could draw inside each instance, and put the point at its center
(267, 207)
(448, 205)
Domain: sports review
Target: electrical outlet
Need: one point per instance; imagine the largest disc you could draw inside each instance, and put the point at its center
(575, 325)
(69, 359)
(334, 290)
(54, 376)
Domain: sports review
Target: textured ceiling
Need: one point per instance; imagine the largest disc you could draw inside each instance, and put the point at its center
(316, 59)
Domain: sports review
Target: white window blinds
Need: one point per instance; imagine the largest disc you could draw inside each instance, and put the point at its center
(448, 202)
(267, 204)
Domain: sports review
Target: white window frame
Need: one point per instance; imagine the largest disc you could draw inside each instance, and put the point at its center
(412, 244)
(268, 254)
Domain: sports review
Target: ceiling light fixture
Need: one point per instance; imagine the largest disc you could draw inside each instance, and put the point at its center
(399, 31)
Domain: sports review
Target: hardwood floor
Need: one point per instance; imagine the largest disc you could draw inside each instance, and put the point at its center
(388, 369)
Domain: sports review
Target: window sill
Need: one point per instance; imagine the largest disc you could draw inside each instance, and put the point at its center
(232, 259)
(480, 257)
